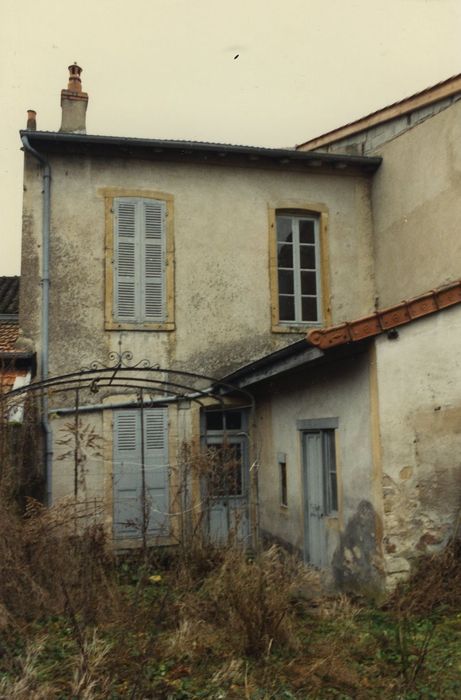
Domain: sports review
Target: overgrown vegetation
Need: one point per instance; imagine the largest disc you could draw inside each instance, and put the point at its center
(78, 623)
(197, 621)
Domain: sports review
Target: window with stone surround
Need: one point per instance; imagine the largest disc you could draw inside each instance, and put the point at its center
(298, 269)
(139, 267)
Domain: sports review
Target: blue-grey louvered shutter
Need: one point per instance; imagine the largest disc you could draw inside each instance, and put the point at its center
(156, 455)
(126, 265)
(153, 252)
(127, 476)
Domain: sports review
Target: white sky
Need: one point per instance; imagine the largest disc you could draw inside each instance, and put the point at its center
(166, 69)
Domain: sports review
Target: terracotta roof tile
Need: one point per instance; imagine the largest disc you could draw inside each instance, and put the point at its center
(386, 319)
(9, 331)
(7, 378)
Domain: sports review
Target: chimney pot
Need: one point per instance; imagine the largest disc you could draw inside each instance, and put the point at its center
(74, 103)
(75, 81)
(31, 120)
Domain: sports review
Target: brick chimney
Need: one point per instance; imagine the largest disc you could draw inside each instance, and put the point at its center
(74, 103)
(31, 120)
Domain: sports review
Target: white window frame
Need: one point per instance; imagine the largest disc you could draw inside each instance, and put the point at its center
(295, 218)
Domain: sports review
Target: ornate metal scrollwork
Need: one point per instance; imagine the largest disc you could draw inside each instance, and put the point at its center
(120, 360)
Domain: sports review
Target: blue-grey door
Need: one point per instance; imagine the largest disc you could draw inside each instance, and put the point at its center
(140, 472)
(225, 485)
(314, 501)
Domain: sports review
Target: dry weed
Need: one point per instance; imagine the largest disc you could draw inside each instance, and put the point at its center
(435, 582)
(342, 607)
(244, 607)
(194, 639)
(46, 551)
(27, 686)
(88, 682)
(254, 598)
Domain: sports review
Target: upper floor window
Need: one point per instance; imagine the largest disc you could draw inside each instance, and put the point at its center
(140, 270)
(139, 263)
(298, 268)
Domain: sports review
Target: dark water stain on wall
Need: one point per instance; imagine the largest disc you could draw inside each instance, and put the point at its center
(357, 565)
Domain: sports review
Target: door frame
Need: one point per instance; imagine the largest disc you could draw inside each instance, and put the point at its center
(306, 426)
(240, 437)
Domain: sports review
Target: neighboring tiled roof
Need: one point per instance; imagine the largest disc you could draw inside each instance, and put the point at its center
(9, 295)
(386, 319)
(8, 377)
(432, 94)
(8, 335)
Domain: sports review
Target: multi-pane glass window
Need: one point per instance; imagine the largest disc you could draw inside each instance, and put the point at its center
(330, 483)
(298, 268)
(225, 447)
(283, 483)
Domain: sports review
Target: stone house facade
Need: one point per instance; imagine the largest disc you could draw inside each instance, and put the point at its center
(217, 260)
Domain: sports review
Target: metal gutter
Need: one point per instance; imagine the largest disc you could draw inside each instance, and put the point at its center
(387, 319)
(45, 283)
(13, 355)
(284, 157)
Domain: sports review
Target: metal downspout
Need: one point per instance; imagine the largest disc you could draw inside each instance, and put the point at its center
(45, 283)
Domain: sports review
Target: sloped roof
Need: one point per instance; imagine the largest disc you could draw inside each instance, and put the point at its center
(387, 319)
(424, 98)
(8, 378)
(9, 331)
(196, 152)
(9, 296)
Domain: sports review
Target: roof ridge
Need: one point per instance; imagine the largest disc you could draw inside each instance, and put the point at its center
(387, 108)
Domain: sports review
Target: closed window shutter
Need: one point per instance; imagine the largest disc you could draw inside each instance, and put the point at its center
(156, 454)
(126, 264)
(153, 253)
(127, 474)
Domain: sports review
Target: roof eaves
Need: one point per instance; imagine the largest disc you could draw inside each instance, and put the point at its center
(284, 157)
(14, 355)
(274, 363)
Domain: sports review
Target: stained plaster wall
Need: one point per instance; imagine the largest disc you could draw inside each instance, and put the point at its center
(339, 390)
(90, 471)
(419, 376)
(416, 199)
(222, 296)
(417, 207)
